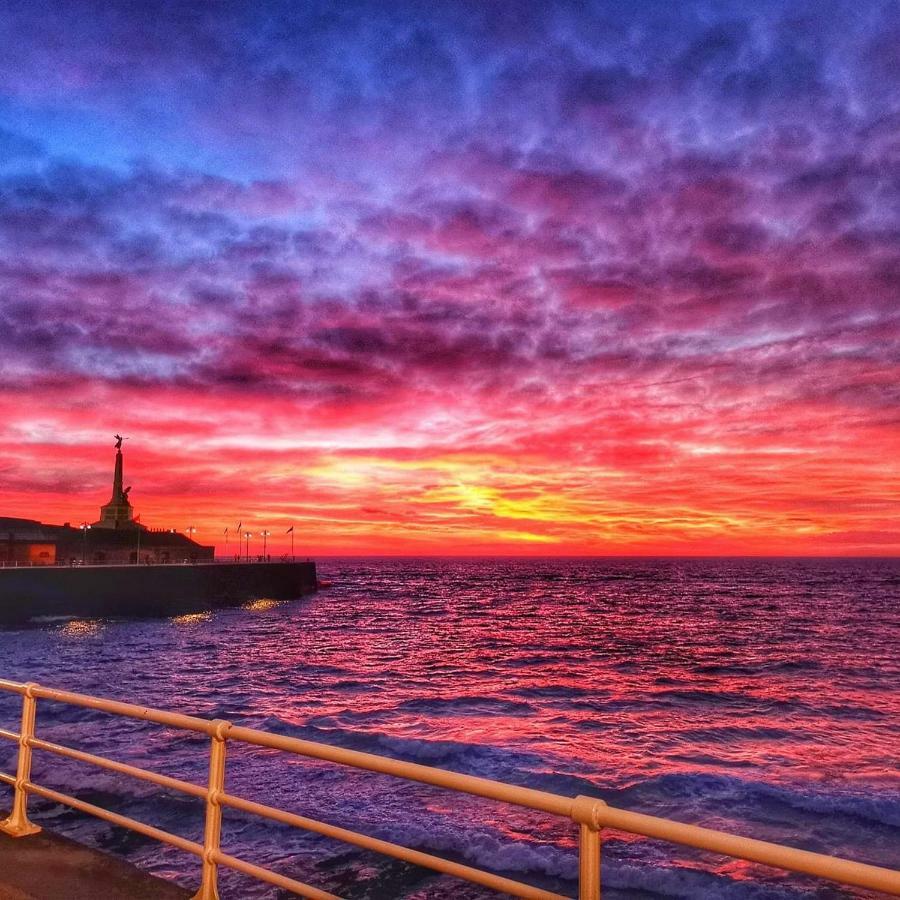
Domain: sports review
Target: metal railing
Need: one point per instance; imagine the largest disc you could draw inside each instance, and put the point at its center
(589, 814)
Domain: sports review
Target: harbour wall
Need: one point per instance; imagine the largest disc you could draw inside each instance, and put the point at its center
(146, 590)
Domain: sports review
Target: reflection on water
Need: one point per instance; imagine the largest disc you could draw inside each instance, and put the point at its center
(82, 628)
(262, 605)
(196, 618)
(759, 696)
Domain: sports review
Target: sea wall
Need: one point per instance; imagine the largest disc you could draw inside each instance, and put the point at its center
(146, 591)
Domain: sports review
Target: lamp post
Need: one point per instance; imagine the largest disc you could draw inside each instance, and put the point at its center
(191, 531)
(265, 535)
(85, 528)
(247, 536)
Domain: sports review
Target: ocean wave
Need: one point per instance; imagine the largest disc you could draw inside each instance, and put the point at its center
(467, 706)
(484, 848)
(726, 734)
(457, 755)
(652, 880)
(737, 795)
(552, 691)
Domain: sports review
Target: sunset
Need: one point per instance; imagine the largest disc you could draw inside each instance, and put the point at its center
(533, 282)
(449, 450)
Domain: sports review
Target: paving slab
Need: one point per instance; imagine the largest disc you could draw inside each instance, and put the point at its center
(47, 866)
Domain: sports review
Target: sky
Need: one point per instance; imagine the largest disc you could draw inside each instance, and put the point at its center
(456, 277)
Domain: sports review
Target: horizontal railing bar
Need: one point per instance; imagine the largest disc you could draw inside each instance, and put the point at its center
(842, 870)
(282, 881)
(12, 687)
(8, 779)
(467, 784)
(175, 784)
(130, 710)
(116, 819)
(446, 866)
(10, 735)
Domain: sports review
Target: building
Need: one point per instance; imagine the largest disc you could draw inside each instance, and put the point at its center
(26, 542)
(97, 546)
(116, 537)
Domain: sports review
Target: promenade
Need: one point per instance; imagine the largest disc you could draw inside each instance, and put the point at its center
(46, 866)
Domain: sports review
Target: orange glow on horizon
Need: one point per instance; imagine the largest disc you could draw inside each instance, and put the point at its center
(551, 485)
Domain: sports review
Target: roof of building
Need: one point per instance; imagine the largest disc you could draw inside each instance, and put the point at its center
(10, 522)
(33, 530)
(124, 537)
(25, 530)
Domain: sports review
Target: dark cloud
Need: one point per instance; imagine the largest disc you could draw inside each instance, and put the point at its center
(432, 197)
(717, 48)
(605, 87)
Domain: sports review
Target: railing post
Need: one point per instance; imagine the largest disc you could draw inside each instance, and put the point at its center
(588, 863)
(586, 811)
(212, 832)
(17, 824)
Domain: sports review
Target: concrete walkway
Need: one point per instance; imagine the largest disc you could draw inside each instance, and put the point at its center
(46, 866)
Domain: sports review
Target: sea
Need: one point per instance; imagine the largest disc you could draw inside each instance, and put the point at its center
(757, 696)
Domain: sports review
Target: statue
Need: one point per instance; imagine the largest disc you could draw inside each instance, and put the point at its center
(119, 440)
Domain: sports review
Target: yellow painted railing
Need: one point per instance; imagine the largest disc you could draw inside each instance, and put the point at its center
(589, 814)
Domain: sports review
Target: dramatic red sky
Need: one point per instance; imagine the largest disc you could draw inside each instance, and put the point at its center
(457, 278)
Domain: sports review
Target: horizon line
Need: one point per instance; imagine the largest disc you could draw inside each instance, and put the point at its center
(598, 556)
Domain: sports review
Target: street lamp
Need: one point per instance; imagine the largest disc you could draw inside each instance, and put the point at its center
(247, 536)
(85, 528)
(265, 535)
(191, 531)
